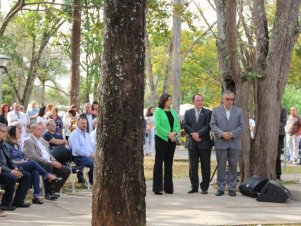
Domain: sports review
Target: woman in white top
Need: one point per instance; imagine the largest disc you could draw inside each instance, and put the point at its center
(41, 119)
(69, 122)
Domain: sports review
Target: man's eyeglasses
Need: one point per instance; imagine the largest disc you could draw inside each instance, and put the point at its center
(3, 131)
(229, 99)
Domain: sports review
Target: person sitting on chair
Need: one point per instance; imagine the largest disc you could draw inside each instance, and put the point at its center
(35, 170)
(36, 148)
(82, 149)
(51, 136)
(10, 174)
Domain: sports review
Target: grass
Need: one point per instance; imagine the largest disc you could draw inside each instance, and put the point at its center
(181, 169)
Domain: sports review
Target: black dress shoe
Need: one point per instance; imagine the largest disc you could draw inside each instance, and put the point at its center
(50, 197)
(204, 192)
(219, 193)
(192, 191)
(169, 192)
(37, 201)
(8, 208)
(158, 193)
(232, 193)
(23, 205)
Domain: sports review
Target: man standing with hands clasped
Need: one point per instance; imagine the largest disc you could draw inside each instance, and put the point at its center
(227, 125)
(197, 126)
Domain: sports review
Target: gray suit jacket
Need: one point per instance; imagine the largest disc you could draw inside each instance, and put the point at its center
(220, 124)
(32, 150)
(202, 127)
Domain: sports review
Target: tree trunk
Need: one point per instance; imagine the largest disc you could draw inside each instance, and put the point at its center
(119, 186)
(149, 71)
(43, 94)
(166, 83)
(230, 69)
(75, 54)
(274, 69)
(272, 62)
(176, 55)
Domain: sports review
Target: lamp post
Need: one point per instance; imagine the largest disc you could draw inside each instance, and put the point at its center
(3, 62)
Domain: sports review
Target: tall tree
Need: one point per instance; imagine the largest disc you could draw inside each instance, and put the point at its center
(119, 186)
(176, 54)
(273, 57)
(75, 54)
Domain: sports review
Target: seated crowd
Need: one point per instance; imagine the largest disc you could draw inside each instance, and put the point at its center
(41, 144)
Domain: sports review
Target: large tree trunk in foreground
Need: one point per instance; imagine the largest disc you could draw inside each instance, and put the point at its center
(119, 185)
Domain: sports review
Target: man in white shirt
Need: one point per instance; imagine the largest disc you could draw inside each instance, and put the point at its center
(16, 115)
(82, 149)
(37, 149)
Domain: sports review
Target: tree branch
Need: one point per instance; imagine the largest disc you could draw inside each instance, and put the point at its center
(14, 10)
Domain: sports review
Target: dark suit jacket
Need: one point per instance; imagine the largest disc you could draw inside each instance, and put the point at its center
(85, 115)
(202, 127)
(9, 165)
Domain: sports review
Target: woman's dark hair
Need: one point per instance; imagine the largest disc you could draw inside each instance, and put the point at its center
(42, 111)
(2, 107)
(72, 112)
(148, 112)
(12, 135)
(163, 98)
(94, 102)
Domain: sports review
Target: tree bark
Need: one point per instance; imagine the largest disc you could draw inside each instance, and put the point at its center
(75, 54)
(272, 62)
(273, 57)
(166, 80)
(176, 55)
(119, 186)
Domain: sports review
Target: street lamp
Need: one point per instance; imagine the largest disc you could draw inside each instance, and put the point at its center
(3, 62)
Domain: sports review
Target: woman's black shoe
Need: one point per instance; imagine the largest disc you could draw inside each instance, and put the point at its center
(37, 201)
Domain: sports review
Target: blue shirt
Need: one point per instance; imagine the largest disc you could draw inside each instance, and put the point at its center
(81, 143)
(32, 112)
(48, 136)
(15, 154)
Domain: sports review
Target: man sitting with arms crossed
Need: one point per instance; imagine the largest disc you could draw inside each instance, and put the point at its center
(81, 146)
(51, 136)
(36, 148)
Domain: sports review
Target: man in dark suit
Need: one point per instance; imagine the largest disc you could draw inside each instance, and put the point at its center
(87, 113)
(197, 127)
(227, 124)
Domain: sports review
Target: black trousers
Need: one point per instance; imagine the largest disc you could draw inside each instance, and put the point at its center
(197, 155)
(9, 180)
(164, 154)
(278, 159)
(52, 187)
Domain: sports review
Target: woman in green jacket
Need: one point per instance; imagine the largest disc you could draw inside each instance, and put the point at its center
(166, 128)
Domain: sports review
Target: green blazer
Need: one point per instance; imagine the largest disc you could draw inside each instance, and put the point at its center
(162, 127)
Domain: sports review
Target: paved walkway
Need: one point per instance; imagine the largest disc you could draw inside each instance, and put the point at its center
(177, 209)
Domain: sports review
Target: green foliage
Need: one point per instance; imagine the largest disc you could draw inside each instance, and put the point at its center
(291, 97)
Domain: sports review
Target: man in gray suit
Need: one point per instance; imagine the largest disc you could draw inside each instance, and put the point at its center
(227, 124)
(37, 149)
(197, 127)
